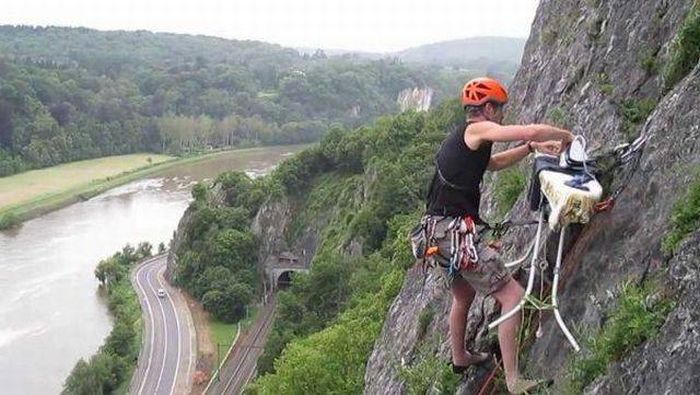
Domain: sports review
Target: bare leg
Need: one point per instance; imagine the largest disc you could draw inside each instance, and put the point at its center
(462, 298)
(509, 296)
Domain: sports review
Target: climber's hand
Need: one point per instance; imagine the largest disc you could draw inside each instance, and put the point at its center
(548, 147)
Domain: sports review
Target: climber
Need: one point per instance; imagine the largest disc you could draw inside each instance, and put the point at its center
(461, 161)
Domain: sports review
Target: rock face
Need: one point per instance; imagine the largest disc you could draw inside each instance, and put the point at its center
(269, 226)
(668, 364)
(417, 99)
(587, 65)
(392, 352)
(625, 243)
(176, 241)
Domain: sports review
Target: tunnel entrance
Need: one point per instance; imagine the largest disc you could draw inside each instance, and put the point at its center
(284, 280)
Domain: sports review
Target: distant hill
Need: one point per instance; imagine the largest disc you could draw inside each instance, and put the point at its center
(467, 51)
(496, 56)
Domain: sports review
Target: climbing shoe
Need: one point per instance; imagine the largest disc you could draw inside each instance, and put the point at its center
(523, 386)
(475, 358)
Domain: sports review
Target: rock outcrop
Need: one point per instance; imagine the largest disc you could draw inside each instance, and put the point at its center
(418, 99)
(592, 67)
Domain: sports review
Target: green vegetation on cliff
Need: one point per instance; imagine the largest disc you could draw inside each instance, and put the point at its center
(685, 50)
(685, 217)
(640, 312)
(328, 320)
(110, 370)
(216, 260)
(363, 190)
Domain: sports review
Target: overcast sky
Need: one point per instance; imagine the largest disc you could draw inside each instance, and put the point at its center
(368, 25)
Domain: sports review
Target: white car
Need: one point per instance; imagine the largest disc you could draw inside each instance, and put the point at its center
(161, 293)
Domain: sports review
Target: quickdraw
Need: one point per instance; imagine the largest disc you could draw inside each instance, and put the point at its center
(423, 245)
(463, 255)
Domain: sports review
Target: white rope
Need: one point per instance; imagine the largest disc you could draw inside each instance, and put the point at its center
(555, 285)
(530, 281)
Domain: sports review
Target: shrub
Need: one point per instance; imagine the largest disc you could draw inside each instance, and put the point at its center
(649, 64)
(559, 116)
(640, 312)
(199, 192)
(635, 112)
(429, 375)
(9, 220)
(685, 218)
(424, 320)
(509, 184)
(685, 50)
(604, 84)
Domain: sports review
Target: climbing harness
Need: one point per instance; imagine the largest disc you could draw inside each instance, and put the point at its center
(462, 233)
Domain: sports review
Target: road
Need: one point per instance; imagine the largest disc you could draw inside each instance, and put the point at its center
(167, 359)
(240, 367)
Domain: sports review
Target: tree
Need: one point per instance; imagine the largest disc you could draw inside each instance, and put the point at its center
(144, 250)
(109, 271)
(120, 341)
(199, 192)
(233, 249)
(228, 304)
(99, 376)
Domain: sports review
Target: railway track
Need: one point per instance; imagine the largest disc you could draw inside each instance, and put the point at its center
(243, 360)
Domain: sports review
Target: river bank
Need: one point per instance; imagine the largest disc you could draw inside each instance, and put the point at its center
(34, 206)
(110, 369)
(52, 309)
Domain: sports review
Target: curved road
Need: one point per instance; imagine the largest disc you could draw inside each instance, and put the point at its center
(167, 358)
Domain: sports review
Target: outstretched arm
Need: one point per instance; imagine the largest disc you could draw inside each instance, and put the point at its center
(512, 156)
(507, 158)
(491, 131)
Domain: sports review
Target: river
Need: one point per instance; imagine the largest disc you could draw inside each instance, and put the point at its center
(51, 310)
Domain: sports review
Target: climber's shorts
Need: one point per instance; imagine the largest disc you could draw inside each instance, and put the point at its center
(489, 274)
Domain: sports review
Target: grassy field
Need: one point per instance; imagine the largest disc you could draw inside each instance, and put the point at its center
(33, 193)
(222, 336)
(22, 187)
(223, 333)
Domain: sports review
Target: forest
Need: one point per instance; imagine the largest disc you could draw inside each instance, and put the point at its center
(73, 93)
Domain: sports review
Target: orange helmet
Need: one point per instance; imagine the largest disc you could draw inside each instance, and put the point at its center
(482, 90)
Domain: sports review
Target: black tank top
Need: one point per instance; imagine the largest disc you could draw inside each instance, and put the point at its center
(455, 188)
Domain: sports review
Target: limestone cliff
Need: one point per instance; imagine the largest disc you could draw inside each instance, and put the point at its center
(418, 99)
(592, 66)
